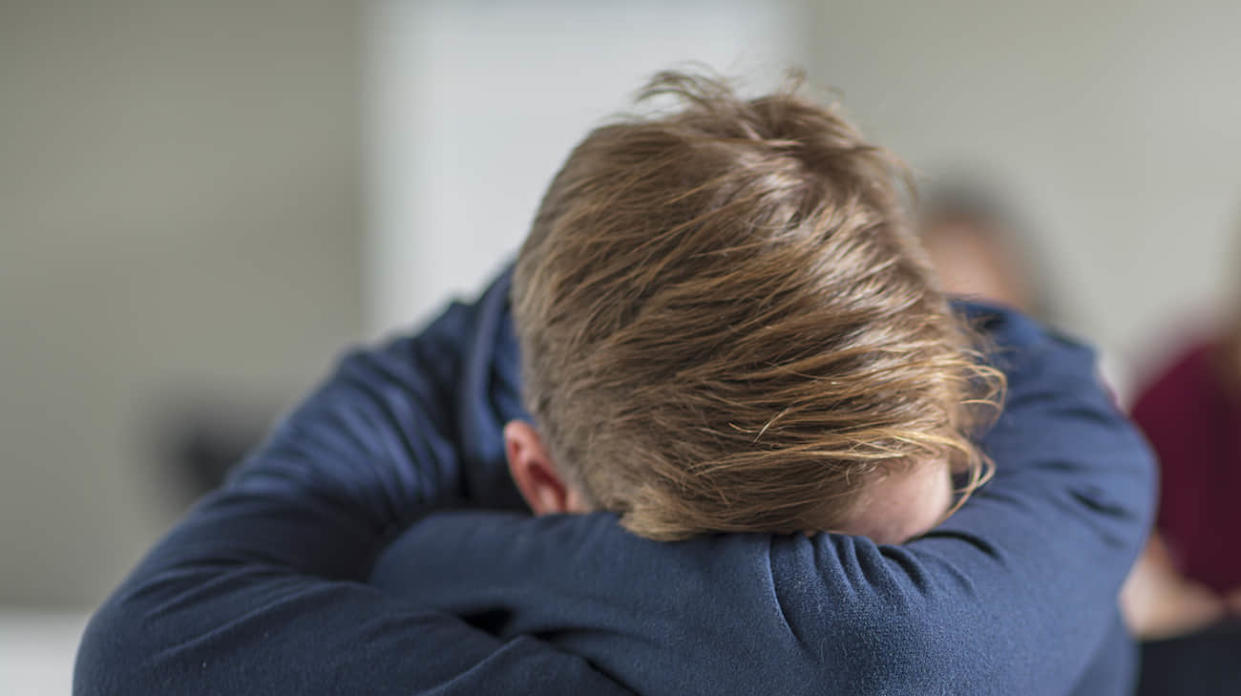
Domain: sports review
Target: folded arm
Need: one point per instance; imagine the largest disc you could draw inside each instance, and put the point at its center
(259, 590)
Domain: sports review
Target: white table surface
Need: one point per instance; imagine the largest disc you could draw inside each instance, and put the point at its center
(37, 650)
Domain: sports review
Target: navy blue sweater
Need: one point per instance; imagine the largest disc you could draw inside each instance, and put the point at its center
(318, 569)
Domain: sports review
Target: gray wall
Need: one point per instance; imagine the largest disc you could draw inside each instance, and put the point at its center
(179, 214)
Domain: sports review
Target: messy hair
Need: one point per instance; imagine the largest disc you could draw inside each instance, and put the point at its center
(726, 323)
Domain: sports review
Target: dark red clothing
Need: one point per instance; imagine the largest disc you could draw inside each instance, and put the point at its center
(1192, 416)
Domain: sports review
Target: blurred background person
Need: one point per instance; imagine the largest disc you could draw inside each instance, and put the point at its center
(1190, 409)
(1184, 595)
(1191, 412)
(980, 248)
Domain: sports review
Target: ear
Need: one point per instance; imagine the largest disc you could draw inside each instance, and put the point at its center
(531, 466)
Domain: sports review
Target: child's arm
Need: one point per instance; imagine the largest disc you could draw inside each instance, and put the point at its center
(258, 590)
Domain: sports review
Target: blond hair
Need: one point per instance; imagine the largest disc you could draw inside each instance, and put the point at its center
(726, 323)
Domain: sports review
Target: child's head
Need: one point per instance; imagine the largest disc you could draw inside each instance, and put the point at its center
(726, 325)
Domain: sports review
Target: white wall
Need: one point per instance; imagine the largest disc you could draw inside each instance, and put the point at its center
(179, 212)
(474, 105)
(1115, 123)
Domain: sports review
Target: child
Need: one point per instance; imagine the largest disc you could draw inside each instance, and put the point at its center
(724, 326)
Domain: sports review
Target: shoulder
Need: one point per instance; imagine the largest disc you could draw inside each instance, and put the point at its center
(1031, 354)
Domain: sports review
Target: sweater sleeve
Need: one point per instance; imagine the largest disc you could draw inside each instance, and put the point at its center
(1016, 593)
(259, 589)
(1034, 562)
